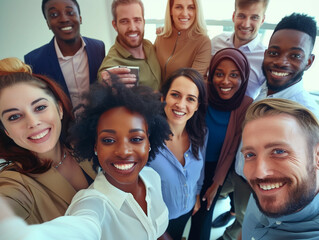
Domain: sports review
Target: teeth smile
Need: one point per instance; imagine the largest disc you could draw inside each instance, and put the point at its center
(270, 186)
(178, 113)
(280, 74)
(225, 89)
(126, 166)
(183, 20)
(66, 28)
(41, 135)
(132, 35)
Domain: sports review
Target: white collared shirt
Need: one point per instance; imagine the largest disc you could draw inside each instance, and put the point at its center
(75, 70)
(101, 212)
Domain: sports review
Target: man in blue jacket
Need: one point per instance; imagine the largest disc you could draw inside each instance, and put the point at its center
(69, 59)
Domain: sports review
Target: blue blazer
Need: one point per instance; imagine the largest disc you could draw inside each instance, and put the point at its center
(44, 60)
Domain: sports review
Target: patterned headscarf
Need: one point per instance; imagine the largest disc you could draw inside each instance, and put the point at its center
(243, 66)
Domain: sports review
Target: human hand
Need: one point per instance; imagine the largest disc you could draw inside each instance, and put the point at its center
(159, 30)
(123, 73)
(6, 212)
(197, 205)
(210, 195)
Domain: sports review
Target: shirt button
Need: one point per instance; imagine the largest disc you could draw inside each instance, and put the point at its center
(186, 155)
(278, 222)
(252, 238)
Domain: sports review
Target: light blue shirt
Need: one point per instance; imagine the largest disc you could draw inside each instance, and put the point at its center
(300, 225)
(180, 184)
(295, 93)
(254, 51)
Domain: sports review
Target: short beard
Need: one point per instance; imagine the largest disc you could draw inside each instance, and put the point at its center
(70, 41)
(291, 82)
(297, 199)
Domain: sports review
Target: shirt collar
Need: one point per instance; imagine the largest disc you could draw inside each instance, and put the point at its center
(286, 93)
(308, 212)
(59, 53)
(126, 54)
(250, 46)
(115, 195)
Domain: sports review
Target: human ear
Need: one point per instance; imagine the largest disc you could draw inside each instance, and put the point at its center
(310, 61)
(114, 25)
(316, 156)
(7, 133)
(60, 110)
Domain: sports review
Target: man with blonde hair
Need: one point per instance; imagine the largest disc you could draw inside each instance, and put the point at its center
(281, 151)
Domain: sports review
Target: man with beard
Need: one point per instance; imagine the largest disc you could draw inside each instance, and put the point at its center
(130, 48)
(289, 54)
(281, 151)
(69, 59)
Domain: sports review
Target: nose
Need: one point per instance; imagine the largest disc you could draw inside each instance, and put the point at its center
(281, 60)
(226, 80)
(123, 149)
(262, 168)
(132, 26)
(63, 17)
(181, 102)
(32, 120)
(246, 23)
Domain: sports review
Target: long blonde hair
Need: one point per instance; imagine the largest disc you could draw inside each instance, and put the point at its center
(198, 27)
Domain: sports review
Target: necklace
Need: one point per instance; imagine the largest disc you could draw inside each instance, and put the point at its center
(58, 165)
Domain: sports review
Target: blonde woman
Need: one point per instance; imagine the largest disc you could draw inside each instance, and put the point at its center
(183, 41)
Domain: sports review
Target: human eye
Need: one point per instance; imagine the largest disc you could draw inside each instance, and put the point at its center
(14, 117)
(175, 95)
(255, 17)
(191, 7)
(40, 108)
(107, 140)
(53, 14)
(272, 53)
(234, 75)
(248, 155)
(219, 74)
(279, 151)
(123, 21)
(137, 139)
(240, 16)
(296, 55)
(191, 99)
(71, 13)
(138, 20)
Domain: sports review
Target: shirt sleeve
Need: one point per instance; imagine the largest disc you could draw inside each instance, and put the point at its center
(203, 152)
(203, 56)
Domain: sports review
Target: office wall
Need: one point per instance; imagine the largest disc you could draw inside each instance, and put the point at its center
(23, 27)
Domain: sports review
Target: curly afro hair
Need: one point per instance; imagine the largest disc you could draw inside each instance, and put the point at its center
(101, 98)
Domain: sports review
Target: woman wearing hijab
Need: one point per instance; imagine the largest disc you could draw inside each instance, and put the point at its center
(227, 105)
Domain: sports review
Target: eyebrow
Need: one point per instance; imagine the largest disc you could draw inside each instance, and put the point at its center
(187, 94)
(16, 109)
(293, 48)
(130, 131)
(269, 145)
(54, 8)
